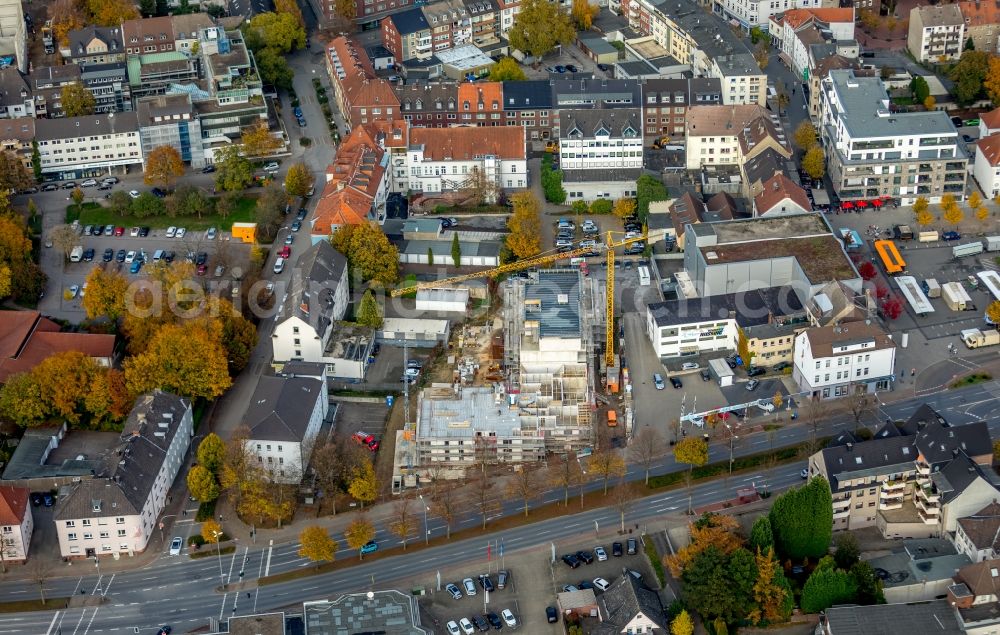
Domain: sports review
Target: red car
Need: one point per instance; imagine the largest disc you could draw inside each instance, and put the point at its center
(202, 269)
(285, 252)
(363, 438)
(119, 231)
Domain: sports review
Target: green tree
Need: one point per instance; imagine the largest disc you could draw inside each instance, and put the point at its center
(682, 624)
(868, 584)
(539, 27)
(120, 203)
(211, 453)
(718, 585)
(814, 162)
(369, 312)
(36, 161)
(919, 89)
(278, 31)
(648, 190)
(761, 537)
(805, 135)
(147, 206)
(274, 68)
(507, 70)
(364, 485)
(692, 451)
(270, 212)
(316, 544)
(802, 520)
(456, 250)
(552, 183)
(202, 484)
(825, 588)
(21, 400)
(847, 550)
(430, 256)
(233, 170)
(968, 75)
(601, 206)
(76, 100)
(579, 207)
(372, 255)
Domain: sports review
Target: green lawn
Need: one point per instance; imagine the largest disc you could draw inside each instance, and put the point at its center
(95, 214)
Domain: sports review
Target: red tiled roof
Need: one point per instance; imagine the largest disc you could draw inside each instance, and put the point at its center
(463, 144)
(13, 504)
(26, 339)
(340, 207)
(991, 119)
(979, 13)
(990, 147)
(352, 180)
(778, 188)
(16, 327)
(485, 93)
(798, 17)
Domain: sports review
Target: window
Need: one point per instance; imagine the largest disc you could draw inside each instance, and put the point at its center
(121, 533)
(71, 523)
(71, 536)
(86, 522)
(104, 534)
(88, 536)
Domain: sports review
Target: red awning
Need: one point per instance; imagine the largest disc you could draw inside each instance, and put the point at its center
(847, 205)
(862, 203)
(877, 202)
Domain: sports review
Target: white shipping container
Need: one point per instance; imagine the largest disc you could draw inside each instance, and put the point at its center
(928, 237)
(993, 243)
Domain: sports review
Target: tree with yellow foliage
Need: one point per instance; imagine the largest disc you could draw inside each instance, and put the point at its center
(711, 530)
(66, 16)
(164, 166)
(584, 13)
(525, 225)
(211, 531)
(991, 83)
(682, 624)
(316, 544)
(975, 200)
(291, 7)
(258, 141)
(359, 533)
(953, 214)
(111, 12)
(770, 591)
(982, 213)
(188, 360)
(105, 296)
(624, 207)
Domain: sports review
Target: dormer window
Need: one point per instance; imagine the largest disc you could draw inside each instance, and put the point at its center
(496, 105)
(420, 104)
(602, 132)
(437, 104)
(465, 105)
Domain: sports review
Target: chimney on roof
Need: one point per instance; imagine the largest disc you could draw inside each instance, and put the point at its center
(850, 446)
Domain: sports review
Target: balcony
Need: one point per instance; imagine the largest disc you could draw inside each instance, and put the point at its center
(923, 469)
(891, 503)
(844, 513)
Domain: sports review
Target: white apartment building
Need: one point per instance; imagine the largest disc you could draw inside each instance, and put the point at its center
(16, 524)
(986, 166)
(731, 135)
(118, 513)
(13, 33)
(795, 31)
(936, 33)
(751, 13)
(606, 139)
(284, 418)
(834, 361)
(873, 152)
(316, 299)
(442, 159)
(94, 145)
(978, 534)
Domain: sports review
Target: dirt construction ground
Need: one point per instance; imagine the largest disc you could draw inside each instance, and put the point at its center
(534, 584)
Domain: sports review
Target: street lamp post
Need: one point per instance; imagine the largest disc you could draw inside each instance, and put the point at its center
(427, 533)
(218, 551)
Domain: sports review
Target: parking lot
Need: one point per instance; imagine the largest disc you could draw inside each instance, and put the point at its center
(533, 583)
(359, 417)
(223, 259)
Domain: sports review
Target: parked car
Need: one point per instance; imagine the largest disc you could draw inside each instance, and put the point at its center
(601, 584)
(705, 375)
(481, 623)
(616, 549)
(571, 561)
(952, 235)
(210, 234)
(50, 187)
(158, 193)
(175, 546)
(560, 69)
(365, 439)
(494, 620)
(181, 232)
(804, 473)
(658, 381)
(601, 554)
(689, 366)
(301, 215)
(296, 226)
(571, 68)
(486, 583)
(780, 366)
(134, 193)
(89, 183)
(452, 627)
(502, 577)
(272, 167)
(755, 371)
(120, 256)
(752, 384)
(632, 546)
(470, 586)
(369, 547)
(143, 232)
(676, 382)
(508, 618)
(109, 255)
(551, 615)
(455, 593)
(586, 556)
(466, 626)
(569, 588)
(208, 169)
(171, 231)
(136, 266)
(69, 185)
(88, 255)
(36, 499)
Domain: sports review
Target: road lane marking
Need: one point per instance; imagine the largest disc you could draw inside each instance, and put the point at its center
(53, 622)
(91, 620)
(270, 550)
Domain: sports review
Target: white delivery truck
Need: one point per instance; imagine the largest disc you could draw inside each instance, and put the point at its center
(968, 249)
(928, 237)
(932, 288)
(974, 338)
(955, 296)
(77, 254)
(644, 276)
(993, 243)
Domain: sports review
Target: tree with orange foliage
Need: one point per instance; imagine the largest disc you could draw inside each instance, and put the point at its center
(66, 16)
(711, 530)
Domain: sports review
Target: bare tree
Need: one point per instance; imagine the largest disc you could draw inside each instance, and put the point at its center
(479, 187)
(326, 470)
(482, 488)
(645, 449)
(565, 474)
(523, 485)
(40, 571)
(813, 411)
(860, 403)
(606, 462)
(445, 504)
(403, 522)
(624, 497)
(64, 238)
(485, 454)
(675, 429)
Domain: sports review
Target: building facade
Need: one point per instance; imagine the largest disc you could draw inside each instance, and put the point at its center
(77, 147)
(444, 159)
(170, 120)
(836, 361)
(936, 33)
(16, 524)
(284, 419)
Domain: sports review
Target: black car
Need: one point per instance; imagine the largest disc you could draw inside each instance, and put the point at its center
(632, 546)
(957, 122)
(755, 371)
(158, 193)
(109, 255)
(571, 561)
(571, 68)
(676, 382)
(602, 67)
(120, 256)
(208, 169)
(480, 623)
(616, 549)
(780, 366)
(301, 215)
(966, 138)
(169, 256)
(551, 614)
(88, 255)
(105, 186)
(486, 583)
(51, 187)
(143, 232)
(705, 375)
(586, 556)
(494, 620)
(98, 230)
(201, 258)
(584, 584)
(36, 499)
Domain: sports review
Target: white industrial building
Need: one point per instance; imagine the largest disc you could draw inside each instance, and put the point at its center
(834, 361)
(414, 332)
(444, 299)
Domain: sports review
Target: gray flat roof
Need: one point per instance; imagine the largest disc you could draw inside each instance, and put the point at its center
(442, 248)
(866, 113)
(473, 409)
(557, 297)
(935, 616)
(388, 612)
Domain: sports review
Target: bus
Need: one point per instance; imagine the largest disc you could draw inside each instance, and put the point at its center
(890, 257)
(644, 276)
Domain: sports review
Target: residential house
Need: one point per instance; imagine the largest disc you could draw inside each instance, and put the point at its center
(834, 361)
(67, 145)
(109, 84)
(893, 618)
(361, 96)
(15, 96)
(528, 104)
(442, 159)
(186, 29)
(16, 524)
(689, 326)
(600, 152)
(873, 152)
(449, 22)
(407, 35)
(819, 68)
(14, 33)
(731, 135)
(480, 104)
(986, 166)
(684, 210)
(357, 184)
(45, 85)
(508, 10)
(665, 103)
(95, 45)
(780, 195)
(27, 339)
(989, 123)
(758, 14)
(428, 104)
(170, 120)
(760, 168)
(485, 19)
(892, 481)
(579, 94)
(922, 569)
(16, 136)
(284, 419)
(149, 35)
(628, 606)
(794, 31)
(978, 535)
(316, 299)
(117, 513)
(936, 33)
(982, 24)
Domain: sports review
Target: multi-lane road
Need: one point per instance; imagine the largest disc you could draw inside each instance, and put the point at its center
(187, 593)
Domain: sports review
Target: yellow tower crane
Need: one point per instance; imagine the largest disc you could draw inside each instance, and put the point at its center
(542, 260)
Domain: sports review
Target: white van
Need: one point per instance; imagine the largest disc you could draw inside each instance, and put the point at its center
(157, 255)
(279, 265)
